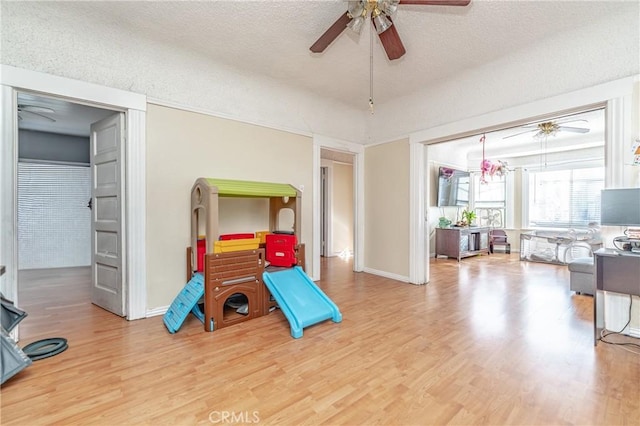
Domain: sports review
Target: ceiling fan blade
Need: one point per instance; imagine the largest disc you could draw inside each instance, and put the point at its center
(517, 134)
(573, 129)
(391, 42)
(437, 2)
(36, 108)
(331, 34)
(570, 120)
(37, 114)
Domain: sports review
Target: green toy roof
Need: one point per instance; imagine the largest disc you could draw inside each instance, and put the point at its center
(244, 188)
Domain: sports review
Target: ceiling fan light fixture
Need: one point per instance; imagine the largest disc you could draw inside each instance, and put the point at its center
(357, 8)
(356, 24)
(548, 128)
(388, 7)
(380, 21)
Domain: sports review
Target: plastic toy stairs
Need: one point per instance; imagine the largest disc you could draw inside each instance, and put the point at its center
(186, 301)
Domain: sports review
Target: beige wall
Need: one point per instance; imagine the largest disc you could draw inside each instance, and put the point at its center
(182, 146)
(386, 232)
(342, 222)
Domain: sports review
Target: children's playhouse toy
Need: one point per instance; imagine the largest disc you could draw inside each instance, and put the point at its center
(221, 268)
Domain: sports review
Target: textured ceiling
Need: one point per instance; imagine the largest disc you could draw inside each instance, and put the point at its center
(272, 38)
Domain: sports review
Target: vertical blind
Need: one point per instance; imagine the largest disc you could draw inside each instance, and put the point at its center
(54, 222)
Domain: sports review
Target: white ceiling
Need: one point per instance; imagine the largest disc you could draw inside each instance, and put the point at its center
(272, 38)
(525, 140)
(64, 117)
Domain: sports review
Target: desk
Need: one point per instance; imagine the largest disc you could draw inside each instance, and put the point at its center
(616, 271)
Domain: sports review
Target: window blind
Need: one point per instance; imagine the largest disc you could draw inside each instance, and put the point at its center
(54, 222)
(565, 198)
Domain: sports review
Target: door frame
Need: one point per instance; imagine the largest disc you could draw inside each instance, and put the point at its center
(357, 150)
(616, 95)
(325, 211)
(14, 80)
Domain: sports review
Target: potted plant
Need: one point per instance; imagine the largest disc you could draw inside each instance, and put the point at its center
(468, 216)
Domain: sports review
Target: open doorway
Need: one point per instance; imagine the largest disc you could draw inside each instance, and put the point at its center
(54, 182)
(132, 123)
(337, 204)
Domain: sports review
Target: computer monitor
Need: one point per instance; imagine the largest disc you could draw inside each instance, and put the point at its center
(620, 207)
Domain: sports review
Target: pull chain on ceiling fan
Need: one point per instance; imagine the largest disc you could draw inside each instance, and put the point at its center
(380, 12)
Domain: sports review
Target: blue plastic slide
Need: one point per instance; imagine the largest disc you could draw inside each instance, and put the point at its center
(300, 299)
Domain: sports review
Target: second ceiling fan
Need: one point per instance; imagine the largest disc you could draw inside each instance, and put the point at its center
(380, 12)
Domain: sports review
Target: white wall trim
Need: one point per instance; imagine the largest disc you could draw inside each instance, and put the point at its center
(156, 311)
(319, 142)
(48, 84)
(338, 144)
(205, 111)
(387, 140)
(544, 108)
(329, 211)
(316, 249)
(418, 256)
(597, 96)
(8, 201)
(358, 213)
(385, 274)
(136, 196)
(88, 93)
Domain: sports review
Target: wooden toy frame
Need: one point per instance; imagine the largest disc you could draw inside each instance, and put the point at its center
(241, 272)
(236, 272)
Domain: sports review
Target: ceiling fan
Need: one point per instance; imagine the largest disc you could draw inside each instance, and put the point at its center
(380, 12)
(550, 128)
(36, 112)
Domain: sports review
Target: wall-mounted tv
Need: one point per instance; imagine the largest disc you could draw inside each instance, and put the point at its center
(453, 187)
(620, 207)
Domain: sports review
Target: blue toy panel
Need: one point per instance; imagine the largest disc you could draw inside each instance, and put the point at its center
(186, 301)
(300, 299)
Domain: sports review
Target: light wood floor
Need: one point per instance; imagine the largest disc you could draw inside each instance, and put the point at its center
(490, 340)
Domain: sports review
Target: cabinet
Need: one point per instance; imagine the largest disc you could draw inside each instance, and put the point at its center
(462, 242)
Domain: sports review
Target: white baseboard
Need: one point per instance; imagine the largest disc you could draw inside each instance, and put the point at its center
(385, 274)
(634, 332)
(156, 311)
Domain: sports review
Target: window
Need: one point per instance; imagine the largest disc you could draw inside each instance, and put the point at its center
(490, 201)
(565, 198)
(54, 221)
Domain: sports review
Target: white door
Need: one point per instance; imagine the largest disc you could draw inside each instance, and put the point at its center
(107, 237)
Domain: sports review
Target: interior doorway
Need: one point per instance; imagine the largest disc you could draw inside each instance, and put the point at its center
(337, 201)
(53, 207)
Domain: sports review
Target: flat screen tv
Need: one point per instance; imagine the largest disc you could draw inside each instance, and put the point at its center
(453, 187)
(620, 207)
